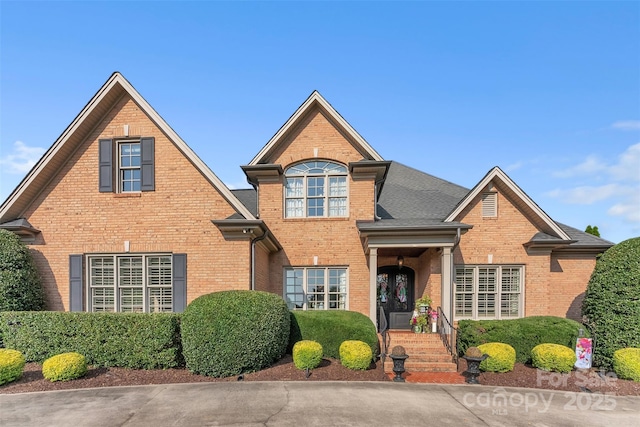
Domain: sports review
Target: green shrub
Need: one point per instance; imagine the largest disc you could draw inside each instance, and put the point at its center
(521, 334)
(11, 365)
(553, 357)
(307, 354)
(64, 367)
(232, 332)
(128, 340)
(355, 355)
(626, 363)
(331, 328)
(501, 358)
(20, 288)
(611, 305)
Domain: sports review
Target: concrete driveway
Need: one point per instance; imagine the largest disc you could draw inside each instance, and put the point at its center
(316, 404)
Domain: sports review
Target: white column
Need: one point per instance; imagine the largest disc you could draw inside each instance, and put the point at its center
(373, 278)
(446, 290)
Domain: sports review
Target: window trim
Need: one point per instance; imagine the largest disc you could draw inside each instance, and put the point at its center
(498, 293)
(120, 168)
(305, 293)
(305, 176)
(145, 286)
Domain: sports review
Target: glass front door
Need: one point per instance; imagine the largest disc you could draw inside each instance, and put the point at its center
(396, 295)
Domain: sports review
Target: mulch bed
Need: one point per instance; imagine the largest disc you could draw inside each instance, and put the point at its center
(329, 370)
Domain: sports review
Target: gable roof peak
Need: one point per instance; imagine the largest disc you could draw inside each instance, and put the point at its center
(315, 100)
(541, 218)
(76, 133)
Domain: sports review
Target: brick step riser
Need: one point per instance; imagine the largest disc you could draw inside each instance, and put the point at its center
(424, 368)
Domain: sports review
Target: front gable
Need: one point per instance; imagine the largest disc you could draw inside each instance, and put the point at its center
(116, 111)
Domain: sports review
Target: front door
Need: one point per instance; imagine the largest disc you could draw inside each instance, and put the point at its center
(396, 296)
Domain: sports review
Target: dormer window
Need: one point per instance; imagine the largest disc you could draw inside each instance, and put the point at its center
(316, 189)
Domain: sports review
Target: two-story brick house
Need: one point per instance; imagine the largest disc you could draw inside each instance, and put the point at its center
(121, 215)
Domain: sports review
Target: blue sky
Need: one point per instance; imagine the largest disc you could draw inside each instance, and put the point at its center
(549, 91)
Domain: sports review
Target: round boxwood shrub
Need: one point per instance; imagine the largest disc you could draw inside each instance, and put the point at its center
(355, 354)
(232, 332)
(20, 288)
(626, 363)
(64, 367)
(307, 354)
(11, 365)
(502, 357)
(553, 357)
(611, 304)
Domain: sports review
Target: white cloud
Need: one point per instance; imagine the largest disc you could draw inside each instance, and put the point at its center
(591, 165)
(626, 125)
(514, 166)
(622, 190)
(587, 195)
(22, 159)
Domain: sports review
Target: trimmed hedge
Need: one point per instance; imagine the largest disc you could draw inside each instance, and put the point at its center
(521, 334)
(11, 365)
(502, 357)
(355, 355)
(611, 304)
(626, 363)
(331, 328)
(64, 367)
(232, 332)
(307, 354)
(128, 340)
(20, 288)
(553, 357)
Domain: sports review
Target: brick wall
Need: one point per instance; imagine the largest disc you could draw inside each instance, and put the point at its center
(76, 219)
(334, 241)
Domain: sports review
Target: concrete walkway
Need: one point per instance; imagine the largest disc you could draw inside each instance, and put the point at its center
(316, 404)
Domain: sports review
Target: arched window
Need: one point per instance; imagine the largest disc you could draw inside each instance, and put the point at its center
(316, 189)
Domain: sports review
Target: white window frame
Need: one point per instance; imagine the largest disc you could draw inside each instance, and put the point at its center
(473, 284)
(109, 290)
(301, 283)
(122, 168)
(305, 175)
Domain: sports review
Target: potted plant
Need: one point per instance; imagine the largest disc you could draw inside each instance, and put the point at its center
(422, 304)
(414, 322)
(433, 316)
(423, 322)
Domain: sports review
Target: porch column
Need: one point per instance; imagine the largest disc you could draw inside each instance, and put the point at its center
(373, 278)
(447, 281)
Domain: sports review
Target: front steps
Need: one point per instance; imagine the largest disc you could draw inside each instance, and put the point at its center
(426, 352)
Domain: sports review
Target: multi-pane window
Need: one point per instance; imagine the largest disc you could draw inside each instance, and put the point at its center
(316, 288)
(130, 283)
(316, 189)
(488, 292)
(129, 166)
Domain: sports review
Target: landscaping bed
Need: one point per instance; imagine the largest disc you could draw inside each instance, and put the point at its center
(329, 370)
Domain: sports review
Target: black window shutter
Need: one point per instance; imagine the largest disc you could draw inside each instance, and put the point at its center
(75, 283)
(179, 282)
(147, 158)
(105, 165)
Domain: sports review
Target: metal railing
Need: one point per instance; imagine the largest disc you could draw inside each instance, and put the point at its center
(448, 334)
(383, 328)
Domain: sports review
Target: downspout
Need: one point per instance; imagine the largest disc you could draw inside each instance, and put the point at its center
(252, 264)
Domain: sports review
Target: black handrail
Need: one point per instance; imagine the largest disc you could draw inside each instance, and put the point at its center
(383, 327)
(448, 334)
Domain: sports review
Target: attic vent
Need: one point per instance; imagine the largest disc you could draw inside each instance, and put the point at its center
(490, 205)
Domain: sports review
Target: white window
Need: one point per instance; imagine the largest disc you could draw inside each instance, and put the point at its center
(129, 173)
(489, 292)
(130, 283)
(316, 288)
(316, 189)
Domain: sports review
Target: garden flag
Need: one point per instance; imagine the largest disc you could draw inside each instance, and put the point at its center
(584, 348)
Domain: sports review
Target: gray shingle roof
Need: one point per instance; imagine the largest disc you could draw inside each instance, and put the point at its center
(584, 239)
(411, 194)
(249, 198)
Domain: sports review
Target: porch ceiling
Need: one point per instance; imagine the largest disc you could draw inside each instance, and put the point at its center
(405, 252)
